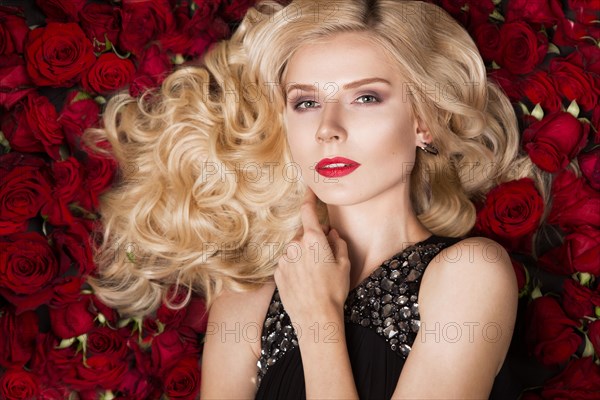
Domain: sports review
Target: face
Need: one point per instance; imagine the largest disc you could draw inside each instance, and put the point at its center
(348, 121)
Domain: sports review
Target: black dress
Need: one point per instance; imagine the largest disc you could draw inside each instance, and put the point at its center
(381, 323)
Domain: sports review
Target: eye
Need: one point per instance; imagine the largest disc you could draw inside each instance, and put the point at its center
(305, 104)
(370, 99)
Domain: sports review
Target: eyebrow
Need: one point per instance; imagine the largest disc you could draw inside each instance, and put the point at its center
(347, 86)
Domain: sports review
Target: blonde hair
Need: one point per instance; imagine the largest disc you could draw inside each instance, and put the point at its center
(205, 199)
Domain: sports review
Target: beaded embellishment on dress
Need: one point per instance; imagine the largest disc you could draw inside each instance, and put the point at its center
(386, 302)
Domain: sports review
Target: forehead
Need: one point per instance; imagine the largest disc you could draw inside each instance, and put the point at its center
(340, 58)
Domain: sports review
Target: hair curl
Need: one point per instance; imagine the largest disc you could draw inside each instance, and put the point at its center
(203, 200)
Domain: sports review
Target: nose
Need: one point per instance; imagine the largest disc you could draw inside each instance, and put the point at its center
(331, 127)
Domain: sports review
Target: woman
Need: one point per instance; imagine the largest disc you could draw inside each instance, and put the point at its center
(382, 111)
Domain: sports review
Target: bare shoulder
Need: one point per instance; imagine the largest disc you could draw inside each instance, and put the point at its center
(467, 307)
(242, 306)
(472, 283)
(472, 260)
(232, 343)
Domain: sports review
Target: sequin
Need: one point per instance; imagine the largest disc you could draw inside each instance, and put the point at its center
(386, 302)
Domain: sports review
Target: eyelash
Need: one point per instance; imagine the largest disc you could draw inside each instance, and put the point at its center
(297, 105)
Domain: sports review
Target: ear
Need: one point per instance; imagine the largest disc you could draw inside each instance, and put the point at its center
(422, 133)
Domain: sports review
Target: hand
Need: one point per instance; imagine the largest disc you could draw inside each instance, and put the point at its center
(313, 274)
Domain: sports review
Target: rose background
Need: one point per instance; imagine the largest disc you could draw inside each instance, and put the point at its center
(61, 59)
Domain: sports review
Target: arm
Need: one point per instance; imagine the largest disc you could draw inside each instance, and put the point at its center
(313, 278)
(468, 306)
(232, 345)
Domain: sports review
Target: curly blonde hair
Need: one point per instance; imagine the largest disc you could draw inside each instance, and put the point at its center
(204, 200)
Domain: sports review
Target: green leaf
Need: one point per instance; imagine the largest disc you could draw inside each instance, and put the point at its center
(66, 343)
(597, 311)
(4, 143)
(494, 65)
(553, 49)
(589, 348)
(122, 56)
(537, 112)
(100, 100)
(573, 109)
(536, 292)
(524, 108)
(81, 95)
(177, 59)
(497, 16)
(108, 395)
(584, 278)
(101, 318)
(123, 323)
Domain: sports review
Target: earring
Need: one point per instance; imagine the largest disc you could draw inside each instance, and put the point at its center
(429, 148)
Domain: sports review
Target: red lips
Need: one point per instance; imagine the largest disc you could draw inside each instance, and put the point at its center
(336, 167)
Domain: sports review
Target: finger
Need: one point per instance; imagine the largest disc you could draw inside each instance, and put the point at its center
(326, 228)
(337, 244)
(310, 220)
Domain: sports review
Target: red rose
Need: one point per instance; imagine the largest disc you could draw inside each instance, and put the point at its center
(53, 364)
(172, 318)
(183, 380)
(587, 57)
(32, 127)
(27, 266)
(507, 82)
(534, 12)
(570, 211)
(67, 290)
(106, 341)
(108, 74)
(58, 54)
(67, 175)
(579, 301)
(539, 89)
(520, 273)
(108, 313)
(196, 319)
(24, 190)
(511, 214)
(468, 13)
(579, 380)
(60, 10)
(13, 30)
(17, 337)
(72, 319)
(235, 10)
(73, 245)
(15, 83)
(100, 22)
(573, 83)
(521, 49)
(589, 163)
(586, 11)
(137, 386)
(98, 371)
(143, 21)
(153, 67)
(487, 37)
(99, 173)
(79, 113)
(579, 252)
(196, 33)
(571, 33)
(552, 142)
(550, 335)
(16, 384)
(167, 349)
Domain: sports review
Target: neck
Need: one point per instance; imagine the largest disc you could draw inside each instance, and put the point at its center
(375, 230)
